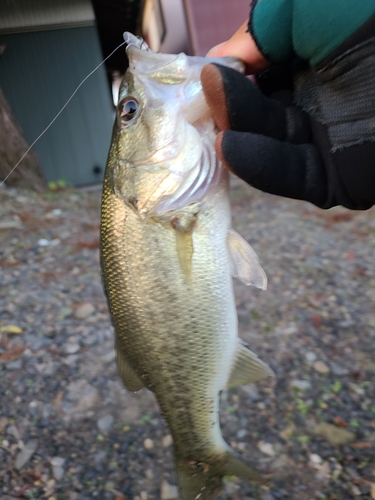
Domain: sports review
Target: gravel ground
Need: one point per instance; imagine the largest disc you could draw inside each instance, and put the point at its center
(69, 430)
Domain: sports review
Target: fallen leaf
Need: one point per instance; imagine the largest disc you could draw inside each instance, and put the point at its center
(340, 422)
(335, 435)
(21, 492)
(362, 444)
(120, 496)
(9, 262)
(342, 217)
(317, 320)
(26, 453)
(11, 329)
(91, 244)
(57, 402)
(58, 398)
(287, 432)
(373, 490)
(13, 354)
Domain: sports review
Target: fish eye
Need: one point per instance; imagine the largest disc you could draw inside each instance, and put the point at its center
(128, 108)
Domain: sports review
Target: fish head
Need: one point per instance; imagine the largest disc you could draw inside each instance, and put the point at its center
(160, 95)
(162, 152)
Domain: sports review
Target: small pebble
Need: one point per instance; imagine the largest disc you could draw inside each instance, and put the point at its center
(148, 444)
(109, 486)
(71, 348)
(149, 474)
(231, 488)
(26, 453)
(109, 356)
(321, 367)
(315, 459)
(323, 470)
(266, 448)
(355, 491)
(58, 472)
(167, 441)
(44, 243)
(310, 356)
(337, 369)
(3, 423)
(84, 310)
(168, 491)
(13, 431)
(241, 433)
(267, 496)
(303, 385)
(105, 423)
(14, 365)
(10, 224)
(287, 330)
(57, 461)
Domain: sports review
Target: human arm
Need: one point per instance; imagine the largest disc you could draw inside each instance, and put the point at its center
(293, 150)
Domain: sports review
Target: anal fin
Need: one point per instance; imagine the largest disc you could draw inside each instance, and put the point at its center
(248, 368)
(244, 262)
(129, 377)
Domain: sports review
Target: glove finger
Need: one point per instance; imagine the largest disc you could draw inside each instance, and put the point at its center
(237, 104)
(276, 167)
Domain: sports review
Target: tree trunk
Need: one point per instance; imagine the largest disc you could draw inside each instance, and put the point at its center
(28, 174)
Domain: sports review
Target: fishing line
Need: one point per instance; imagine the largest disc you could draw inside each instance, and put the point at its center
(59, 113)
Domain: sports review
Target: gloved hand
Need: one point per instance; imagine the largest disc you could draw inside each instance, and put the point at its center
(307, 130)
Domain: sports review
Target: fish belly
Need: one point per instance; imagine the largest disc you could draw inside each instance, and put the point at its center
(179, 335)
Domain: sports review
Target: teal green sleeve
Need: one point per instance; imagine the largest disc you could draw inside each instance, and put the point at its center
(309, 29)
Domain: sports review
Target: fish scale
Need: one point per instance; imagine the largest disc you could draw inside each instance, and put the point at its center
(167, 254)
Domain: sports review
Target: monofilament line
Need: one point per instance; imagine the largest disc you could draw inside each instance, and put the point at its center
(59, 113)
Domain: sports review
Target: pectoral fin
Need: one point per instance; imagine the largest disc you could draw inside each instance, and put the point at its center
(244, 262)
(184, 243)
(183, 224)
(248, 368)
(129, 377)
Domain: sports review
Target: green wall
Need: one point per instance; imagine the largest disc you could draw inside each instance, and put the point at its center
(38, 73)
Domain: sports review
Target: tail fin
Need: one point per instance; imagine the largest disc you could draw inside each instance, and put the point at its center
(203, 481)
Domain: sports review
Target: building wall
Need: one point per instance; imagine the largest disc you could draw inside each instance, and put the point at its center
(38, 73)
(213, 21)
(176, 38)
(36, 15)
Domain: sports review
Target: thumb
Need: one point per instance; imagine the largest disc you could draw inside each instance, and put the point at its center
(242, 46)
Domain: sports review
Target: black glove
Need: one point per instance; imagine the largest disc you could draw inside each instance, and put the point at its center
(306, 133)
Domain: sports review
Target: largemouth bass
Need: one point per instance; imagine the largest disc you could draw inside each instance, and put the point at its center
(168, 253)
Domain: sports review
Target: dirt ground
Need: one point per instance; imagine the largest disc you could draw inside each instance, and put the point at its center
(69, 430)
